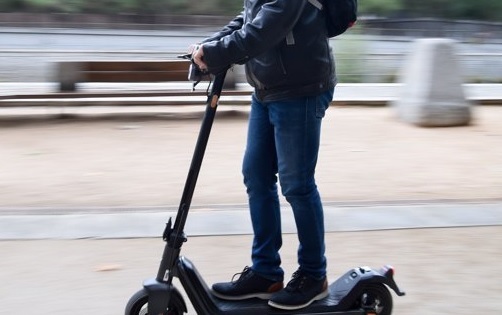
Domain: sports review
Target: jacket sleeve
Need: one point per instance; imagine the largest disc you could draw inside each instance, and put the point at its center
(271, 25)
(234, 25)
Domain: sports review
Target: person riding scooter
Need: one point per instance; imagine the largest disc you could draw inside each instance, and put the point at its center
(288, 60)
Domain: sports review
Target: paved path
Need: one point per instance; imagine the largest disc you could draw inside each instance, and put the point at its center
(234, 220)
(443, 271)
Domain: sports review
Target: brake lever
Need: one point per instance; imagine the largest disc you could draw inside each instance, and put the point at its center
(185, 56)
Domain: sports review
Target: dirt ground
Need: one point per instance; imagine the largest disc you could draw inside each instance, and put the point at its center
(366, 155)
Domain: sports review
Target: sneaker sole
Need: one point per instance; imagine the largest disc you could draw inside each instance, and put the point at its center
(318, 297)
(263, 296)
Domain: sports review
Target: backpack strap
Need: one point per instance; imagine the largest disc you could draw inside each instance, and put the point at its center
(290, 39)
(316, 3)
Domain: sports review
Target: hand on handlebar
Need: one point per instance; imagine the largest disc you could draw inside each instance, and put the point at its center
(197, 52)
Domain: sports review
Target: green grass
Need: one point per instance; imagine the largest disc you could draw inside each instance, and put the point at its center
(349, 52)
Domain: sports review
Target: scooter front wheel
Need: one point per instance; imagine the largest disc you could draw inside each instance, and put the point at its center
(375, 298)
(138, 305)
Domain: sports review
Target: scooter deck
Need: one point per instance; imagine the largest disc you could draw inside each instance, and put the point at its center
(257, 306)
(206, 303)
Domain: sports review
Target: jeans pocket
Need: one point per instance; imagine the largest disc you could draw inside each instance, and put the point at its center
(320, 108)
(322, 103)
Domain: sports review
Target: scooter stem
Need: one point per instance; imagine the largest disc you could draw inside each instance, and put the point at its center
(175, 236)
(198, 155)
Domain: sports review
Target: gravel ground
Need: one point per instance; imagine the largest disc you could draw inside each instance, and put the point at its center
(366, 155)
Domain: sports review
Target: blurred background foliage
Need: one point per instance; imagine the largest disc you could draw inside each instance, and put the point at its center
(487, 10)
(210, 7)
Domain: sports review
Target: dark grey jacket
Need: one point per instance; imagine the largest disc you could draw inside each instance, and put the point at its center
(283, 44)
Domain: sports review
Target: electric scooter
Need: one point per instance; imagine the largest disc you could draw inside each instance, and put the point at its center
(360, 291)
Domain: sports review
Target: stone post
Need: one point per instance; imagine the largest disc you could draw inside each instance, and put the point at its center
(432, 92)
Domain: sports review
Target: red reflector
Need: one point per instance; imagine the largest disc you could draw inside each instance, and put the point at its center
(390, 270)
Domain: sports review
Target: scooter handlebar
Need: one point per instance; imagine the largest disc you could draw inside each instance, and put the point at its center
(195, 74)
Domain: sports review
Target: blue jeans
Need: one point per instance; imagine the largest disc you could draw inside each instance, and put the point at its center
(283, 139)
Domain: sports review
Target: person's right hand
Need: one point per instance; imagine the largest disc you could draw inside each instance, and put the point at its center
(197, 52)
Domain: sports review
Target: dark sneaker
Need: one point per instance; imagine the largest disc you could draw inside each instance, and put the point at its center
(300, 292)
(248, 285)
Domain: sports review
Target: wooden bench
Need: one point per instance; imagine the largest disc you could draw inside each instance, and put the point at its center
(70, 73)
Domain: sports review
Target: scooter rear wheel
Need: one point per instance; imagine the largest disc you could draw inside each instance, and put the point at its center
(375, 298)
(138, 305)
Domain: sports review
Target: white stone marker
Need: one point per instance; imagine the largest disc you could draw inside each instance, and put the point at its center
(432, 93)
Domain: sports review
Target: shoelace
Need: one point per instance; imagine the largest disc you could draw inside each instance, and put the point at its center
(241, 274)
(297, 281)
